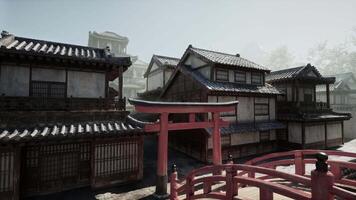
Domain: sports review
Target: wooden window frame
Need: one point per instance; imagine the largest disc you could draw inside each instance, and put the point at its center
(261, 78)
(261, 104)
(49, 85)
(239, 72)
(221, 70)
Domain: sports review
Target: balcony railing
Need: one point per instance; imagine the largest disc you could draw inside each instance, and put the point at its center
(47, 104)
(304, 107)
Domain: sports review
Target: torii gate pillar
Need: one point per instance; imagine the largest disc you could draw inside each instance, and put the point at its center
(162, 156)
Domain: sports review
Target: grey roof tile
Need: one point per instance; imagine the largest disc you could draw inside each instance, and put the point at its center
(226, 59)
(54, 131)
(215, 86)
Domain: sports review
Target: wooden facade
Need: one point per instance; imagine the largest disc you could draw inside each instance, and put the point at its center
(201, 77)
(311, 123)
(59, 127)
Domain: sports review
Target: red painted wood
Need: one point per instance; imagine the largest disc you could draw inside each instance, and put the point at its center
(183, 126)
(321, 184)
(162, 146)
(185, 109)
(216, 140)
(174, 186)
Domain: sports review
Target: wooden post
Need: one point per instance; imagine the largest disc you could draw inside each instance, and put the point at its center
(174, 186)
(17, 171)
(266, 194)
(298, 162)
(231, 189)
(120, 80)
(321, 179)
(328, 95)
(216, 140)
(162, 155)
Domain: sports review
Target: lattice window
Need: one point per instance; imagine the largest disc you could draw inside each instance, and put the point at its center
(256, 78)
(261, 109)
(116, 158)
(6, 171)
(222, 75)
(240, 77)
(48, 89)
(264, 136)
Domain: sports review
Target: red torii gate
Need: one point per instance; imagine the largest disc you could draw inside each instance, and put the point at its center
(163, 126)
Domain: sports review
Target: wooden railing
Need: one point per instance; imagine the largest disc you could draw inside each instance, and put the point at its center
(306, 107)
(51, 104)
(224, 181)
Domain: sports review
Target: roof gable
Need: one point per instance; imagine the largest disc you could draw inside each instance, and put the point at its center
(158, 61)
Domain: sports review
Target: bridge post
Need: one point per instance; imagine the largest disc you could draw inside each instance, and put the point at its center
(174, 186)
(162, 157)
(298, 163)
(321, 179)
(216, 140)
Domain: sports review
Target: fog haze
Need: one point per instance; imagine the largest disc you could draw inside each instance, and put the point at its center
(168, 27)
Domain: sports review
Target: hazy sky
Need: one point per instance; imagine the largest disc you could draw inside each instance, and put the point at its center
(167, 27)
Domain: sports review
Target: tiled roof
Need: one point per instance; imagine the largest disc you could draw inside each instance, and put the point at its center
(168, 61)
(343, 76)
(298, 73)
(11, 43)
(229, 87)
(236, 128)
(87, 129)
(226, 59)
(284, 74)
(331, 116)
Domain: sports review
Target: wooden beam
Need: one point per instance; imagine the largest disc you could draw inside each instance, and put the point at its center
(184, 109)
(184, 126)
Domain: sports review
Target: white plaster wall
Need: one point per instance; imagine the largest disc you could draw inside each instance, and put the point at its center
(231, 76)
(315, 133)
(86, 84)
(272, 108)
(227, 99)
(262, 118)
(334, 131)
(205, 71)
(261, 100)
(248, 77)
(167, 75)
(295, 132)
(245, 110)
(154, 67)
(194, 62)
(42, 74)
(155, 80)
(14, 80)
(245, 138)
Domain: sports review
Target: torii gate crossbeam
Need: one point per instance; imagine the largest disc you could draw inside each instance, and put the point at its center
(163, 126)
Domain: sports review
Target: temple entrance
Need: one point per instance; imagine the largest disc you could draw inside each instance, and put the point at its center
(193, 110)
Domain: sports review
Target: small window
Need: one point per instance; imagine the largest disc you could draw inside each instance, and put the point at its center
(222, 75)
(264, 136)
(48, 89)
(256, 78)
(240, 77)
(261, 109)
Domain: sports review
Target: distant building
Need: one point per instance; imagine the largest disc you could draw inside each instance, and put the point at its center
(310, 123)
(133, 82)
(342, 99)
(157, 75)
(59, 127)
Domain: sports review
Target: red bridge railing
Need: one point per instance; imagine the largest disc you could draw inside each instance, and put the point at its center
(299, 158)
(224, 181)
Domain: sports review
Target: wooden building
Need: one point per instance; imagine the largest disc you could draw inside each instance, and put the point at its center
(59, 127)
(310, 124)
(157, 75)
(342, 99)
(209, 76)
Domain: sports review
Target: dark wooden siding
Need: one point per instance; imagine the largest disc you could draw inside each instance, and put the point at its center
(184, 88)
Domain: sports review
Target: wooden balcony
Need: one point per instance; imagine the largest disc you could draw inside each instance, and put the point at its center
(8, 103)
(302, 107)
